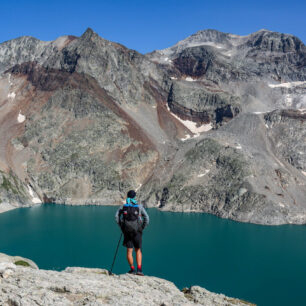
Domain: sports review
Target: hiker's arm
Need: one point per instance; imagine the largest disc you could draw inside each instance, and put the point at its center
(145, 217)
(118, 214)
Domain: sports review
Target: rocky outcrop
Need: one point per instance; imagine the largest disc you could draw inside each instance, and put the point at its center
(287, 53)
(83, 286)
(87, 120)
(202, 104)
(225, 57)
(11, 262)
(220, 178)
(287, 130)
(13, 192)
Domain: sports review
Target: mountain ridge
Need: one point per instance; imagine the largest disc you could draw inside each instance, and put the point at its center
(86, 117)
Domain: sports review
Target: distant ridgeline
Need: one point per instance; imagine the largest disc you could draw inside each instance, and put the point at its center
(215, 123)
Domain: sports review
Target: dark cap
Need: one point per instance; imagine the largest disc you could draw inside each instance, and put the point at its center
(131, 194)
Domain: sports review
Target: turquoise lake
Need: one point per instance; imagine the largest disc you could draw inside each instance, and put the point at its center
(262, 264)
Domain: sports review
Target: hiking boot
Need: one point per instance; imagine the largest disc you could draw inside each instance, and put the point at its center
(132, 271)
(139, 272)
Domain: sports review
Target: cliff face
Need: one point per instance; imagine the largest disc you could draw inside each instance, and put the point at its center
(213, 124)
(82, 286)
(201, 103)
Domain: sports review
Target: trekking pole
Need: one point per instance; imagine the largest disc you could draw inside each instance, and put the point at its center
(110, 271)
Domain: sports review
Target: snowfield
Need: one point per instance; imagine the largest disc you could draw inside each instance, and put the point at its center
(35, 200)
(21, 117)
(288, 84)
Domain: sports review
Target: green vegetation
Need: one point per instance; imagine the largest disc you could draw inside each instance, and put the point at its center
(74, 156)
(11, 184)
(22, 263)
(7, 185)
(206, 147)
(188, 294)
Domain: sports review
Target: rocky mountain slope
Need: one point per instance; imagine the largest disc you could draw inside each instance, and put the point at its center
(24, 284)
(215, 123)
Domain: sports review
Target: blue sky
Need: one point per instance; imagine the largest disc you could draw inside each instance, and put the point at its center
(148, 25)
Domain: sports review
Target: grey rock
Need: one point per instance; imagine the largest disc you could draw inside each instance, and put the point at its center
(84, 286)
(11, 262)
(12, 190)
(84, 119)
(287, 130)
(194, 102)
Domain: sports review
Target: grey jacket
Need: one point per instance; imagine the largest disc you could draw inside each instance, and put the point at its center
(143, 215)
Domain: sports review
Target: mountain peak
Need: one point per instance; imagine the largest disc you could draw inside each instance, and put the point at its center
(263, 30)
(89, 33)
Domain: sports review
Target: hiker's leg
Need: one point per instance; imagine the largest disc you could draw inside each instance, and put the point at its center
(138, 257)
(129, 256)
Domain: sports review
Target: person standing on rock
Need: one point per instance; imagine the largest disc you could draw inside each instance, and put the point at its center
(132, 219)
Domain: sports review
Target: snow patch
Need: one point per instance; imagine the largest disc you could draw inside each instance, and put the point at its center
(206, 43)
(173, 78)
(11, 95)
(166, 59)
(9, 79)
(288, 84)
(187, 137)
(242, 191)
(281, 204)
(192, 126)
(21, 117)
(202, 174)
(238, 146)
(228, 53)
(257, 113)
(266, 126)
(304, 172)
(182, 45)
(35, 200)
(302, 110)
(190, 79)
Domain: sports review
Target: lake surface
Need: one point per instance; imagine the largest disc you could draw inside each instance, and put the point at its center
(264, 265)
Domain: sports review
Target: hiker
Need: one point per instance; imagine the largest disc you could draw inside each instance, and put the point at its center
(132, 219)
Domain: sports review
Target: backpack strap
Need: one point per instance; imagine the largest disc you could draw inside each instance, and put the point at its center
(131, 203)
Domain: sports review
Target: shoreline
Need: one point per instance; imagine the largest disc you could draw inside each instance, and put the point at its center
(8, 207)
(4, 207)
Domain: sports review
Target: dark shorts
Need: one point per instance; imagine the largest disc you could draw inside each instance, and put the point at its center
(133, 241)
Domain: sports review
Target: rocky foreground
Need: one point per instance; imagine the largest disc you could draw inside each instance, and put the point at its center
(25, 284)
